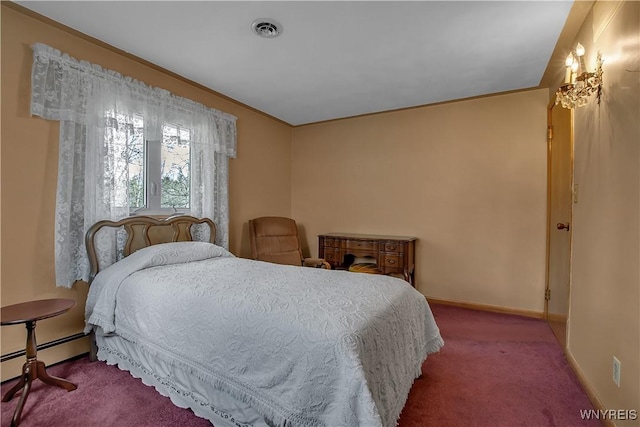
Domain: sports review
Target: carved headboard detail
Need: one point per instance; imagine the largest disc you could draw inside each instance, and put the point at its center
(143, 231)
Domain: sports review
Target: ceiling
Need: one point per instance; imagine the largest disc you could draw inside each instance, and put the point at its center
(333, 59)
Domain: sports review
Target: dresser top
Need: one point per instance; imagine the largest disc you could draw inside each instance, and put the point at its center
(368, 236)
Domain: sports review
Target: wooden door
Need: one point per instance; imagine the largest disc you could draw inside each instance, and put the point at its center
(559, 228)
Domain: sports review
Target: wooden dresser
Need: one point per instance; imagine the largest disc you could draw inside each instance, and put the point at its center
(392, 254)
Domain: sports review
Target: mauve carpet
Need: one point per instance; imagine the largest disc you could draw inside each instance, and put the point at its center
(494, 370)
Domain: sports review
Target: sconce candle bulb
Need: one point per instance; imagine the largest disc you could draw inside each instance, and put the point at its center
(579, 83)
(574, 72)
(568, 63)
(580, 54)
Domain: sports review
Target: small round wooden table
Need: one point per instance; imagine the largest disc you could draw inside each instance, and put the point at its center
(28, 313)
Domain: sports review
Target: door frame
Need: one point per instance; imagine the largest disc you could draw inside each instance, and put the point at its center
(550, 226)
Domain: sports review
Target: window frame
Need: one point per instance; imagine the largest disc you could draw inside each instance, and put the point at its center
(152, 180)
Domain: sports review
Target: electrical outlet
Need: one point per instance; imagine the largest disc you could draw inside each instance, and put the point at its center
(616, 371)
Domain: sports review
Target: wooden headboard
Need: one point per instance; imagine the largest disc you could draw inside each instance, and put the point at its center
(143, 231)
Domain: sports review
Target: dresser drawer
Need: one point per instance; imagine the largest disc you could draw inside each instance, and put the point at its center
(330, 242)
(392, 261)
(392, 247)
(363, 245)
(332, 254)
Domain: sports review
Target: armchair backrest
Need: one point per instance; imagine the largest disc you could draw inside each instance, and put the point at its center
(275, 239)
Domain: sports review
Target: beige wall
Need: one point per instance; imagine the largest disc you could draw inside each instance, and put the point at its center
(468, 179)
(604, 315)
(260, 176)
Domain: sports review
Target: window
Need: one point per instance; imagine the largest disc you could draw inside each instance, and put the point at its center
(153, 175)
(175, 184)
(125, 148)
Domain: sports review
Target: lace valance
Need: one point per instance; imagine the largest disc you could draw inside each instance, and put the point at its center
(66, 89)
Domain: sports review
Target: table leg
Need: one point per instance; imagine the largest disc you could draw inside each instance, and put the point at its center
(23, 398)
(51, 380)
(408, 276)
(23, 380)
(32, 369)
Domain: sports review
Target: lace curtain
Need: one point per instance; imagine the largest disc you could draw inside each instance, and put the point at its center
(78, 94)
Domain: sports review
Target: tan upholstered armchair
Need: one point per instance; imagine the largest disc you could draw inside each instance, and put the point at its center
(275, 239)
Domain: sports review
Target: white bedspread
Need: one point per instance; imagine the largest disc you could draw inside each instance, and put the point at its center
(303, 346)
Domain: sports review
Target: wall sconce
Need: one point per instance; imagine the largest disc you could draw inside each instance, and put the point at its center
(579, 83)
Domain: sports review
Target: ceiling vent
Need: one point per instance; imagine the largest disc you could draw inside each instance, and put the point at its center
(267, 28)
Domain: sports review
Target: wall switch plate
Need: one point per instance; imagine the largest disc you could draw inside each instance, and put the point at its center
(616, 371)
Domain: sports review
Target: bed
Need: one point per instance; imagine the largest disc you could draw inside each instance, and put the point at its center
(250, 343)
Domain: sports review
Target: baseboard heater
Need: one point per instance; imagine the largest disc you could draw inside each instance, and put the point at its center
(23, 353)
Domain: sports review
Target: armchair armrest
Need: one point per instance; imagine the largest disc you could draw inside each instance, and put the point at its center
(316, 263)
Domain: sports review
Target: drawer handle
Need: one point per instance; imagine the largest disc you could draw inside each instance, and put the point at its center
(391, 247)
(391, 261)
